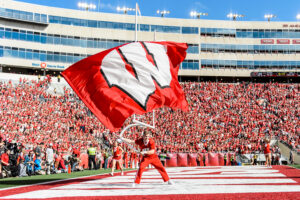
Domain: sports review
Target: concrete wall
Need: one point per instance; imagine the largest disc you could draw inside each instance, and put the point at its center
(115, 34)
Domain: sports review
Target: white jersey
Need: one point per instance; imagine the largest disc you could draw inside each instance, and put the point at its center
(50, 155)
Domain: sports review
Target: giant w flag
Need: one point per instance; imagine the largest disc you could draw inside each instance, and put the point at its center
(133, 78)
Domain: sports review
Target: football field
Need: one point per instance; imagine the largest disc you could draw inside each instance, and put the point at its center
(231, 182)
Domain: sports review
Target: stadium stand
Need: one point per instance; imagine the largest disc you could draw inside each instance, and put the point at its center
(223, 117)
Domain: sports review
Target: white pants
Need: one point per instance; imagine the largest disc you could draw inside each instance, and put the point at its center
(49, 165)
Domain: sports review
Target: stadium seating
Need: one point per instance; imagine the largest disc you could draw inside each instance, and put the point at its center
(222, 117)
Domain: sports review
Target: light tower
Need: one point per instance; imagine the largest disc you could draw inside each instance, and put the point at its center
(125, 9)
(197, 14)
(269, 17)
(86, 6)
(234, 16)
(163, 12)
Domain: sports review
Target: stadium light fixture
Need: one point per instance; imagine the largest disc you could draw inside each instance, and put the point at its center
(125, 9)
(163, 12)
(269, 17)
(197, 14)
(234, 16)
(86, 6)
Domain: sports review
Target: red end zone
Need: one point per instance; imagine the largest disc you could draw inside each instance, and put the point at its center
(258, 182)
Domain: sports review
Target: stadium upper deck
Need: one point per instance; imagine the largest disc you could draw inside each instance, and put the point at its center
(34, 36)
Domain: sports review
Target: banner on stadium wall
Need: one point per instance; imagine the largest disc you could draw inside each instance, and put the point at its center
(283, 41)
(296, 41)
(275, 74)
(267, 41)
(44, 65)
(290, 25)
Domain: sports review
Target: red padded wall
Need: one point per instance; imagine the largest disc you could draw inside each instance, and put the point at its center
(172, 162)
(182, 160)
(84, 159)
(192, 159)
(213, 159)
(221, 159)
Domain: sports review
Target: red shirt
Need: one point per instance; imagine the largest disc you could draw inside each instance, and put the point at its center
(146, 147)
(5, 158)
(76, 152)
(61, 164)
(267, 149)
(117, 153)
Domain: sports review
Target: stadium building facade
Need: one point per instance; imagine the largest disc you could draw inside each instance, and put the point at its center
(35, 38)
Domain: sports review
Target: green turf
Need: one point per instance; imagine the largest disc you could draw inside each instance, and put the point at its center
(18, 181)
(296, 166)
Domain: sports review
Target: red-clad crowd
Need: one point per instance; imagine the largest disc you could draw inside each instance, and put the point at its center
(221, 117)
(231, 116)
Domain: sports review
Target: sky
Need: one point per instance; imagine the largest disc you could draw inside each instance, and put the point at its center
(254, 10)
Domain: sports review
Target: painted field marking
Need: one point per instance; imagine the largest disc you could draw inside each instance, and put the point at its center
(188, 181)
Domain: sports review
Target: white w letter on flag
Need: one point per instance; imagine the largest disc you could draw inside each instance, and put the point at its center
(138, 85)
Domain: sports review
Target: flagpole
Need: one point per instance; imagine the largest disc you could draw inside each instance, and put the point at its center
(136, 7)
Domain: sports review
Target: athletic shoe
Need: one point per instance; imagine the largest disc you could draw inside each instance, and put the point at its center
(171, 182)
(133, 185)
(122, 173)
(112, 174)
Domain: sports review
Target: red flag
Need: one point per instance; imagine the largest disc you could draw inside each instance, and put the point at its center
(133, 78)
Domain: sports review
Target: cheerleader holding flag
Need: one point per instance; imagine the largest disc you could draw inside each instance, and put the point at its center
(133, 78)
(147, 147)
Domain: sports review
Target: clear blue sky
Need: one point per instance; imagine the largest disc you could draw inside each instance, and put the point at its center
(254, 10)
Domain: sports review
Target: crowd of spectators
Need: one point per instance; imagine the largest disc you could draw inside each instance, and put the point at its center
(231, 117)
(222, 117)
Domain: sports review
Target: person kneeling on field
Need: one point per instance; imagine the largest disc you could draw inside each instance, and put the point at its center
(61, 168)
(4, 160)
(38, 167)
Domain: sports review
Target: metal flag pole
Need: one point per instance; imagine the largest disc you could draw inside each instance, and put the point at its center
(135, 121)
(136, 22)
(136, 7)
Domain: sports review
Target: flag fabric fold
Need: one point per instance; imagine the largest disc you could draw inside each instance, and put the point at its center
(133, 78)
